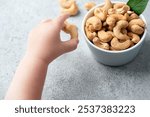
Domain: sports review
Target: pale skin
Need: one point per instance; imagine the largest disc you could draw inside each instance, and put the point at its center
(44, 45)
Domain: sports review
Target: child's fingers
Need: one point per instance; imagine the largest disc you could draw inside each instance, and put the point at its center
(69, 45)
(61, 19)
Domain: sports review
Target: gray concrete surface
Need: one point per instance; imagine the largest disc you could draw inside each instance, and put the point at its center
(75, 75)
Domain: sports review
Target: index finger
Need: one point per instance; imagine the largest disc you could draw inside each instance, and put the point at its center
(61, 19)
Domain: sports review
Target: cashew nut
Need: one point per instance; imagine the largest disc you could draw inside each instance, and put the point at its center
(107, 5)
(66, 3)
(69, 7)
(132, 44)
(110, 32)
(100, 13)
(117, 45)
(133, 16)
(134, 37)
(112, 19)
(104, 36)
(71, 29)
(137, 29)
(89, 5)
(122, 24)
(118, 5)
(90, 35)
(121, 10)
(100, 44)
(136, 26)
(112, 49)
(94, 23)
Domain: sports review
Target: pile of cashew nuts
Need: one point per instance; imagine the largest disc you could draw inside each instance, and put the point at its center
(114, 26)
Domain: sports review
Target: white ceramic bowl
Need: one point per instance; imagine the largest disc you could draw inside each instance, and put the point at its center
(113, 58)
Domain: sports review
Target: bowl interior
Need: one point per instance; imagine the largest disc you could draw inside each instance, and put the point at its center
(90, 13)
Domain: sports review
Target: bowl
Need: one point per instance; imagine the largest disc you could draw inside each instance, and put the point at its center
(113, 58)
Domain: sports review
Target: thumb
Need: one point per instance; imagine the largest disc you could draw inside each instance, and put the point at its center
(70, 45)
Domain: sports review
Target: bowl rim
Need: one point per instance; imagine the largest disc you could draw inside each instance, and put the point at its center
(108, 51)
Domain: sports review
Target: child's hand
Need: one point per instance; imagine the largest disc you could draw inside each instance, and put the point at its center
(45, 43)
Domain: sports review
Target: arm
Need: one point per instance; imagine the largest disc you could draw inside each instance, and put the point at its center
(44, 46)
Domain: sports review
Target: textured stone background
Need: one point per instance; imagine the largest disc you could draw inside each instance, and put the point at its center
(75, 75)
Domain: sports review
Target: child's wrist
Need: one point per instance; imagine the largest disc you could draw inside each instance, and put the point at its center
(36, 59)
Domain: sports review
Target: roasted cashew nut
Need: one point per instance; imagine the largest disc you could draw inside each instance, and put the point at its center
(71, 29)
(66, 3)
(132, 44)
(93, 24)
(112, 49)
(133, 16)
(125, 8)
(69, 7)
(117, 45)
(112, 19)
(104, 36)
(134, 37)
(111, 32)
(118, 5)
(136, 26)
(107, 5)
(137, 29)
(100, 44)
(100, 13)
(90, 35)
(122, 24)
(89, 5)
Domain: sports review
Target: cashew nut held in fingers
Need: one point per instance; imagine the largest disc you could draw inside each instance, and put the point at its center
(122, 24)
(69, 7)
(104, 36)
(90, 35)
(117, 45)
(134, 37)
(94, 23)
(89, 5)
(112, 19)
(136, 26)
(100, 44)
(100, 13)
(71, 29)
